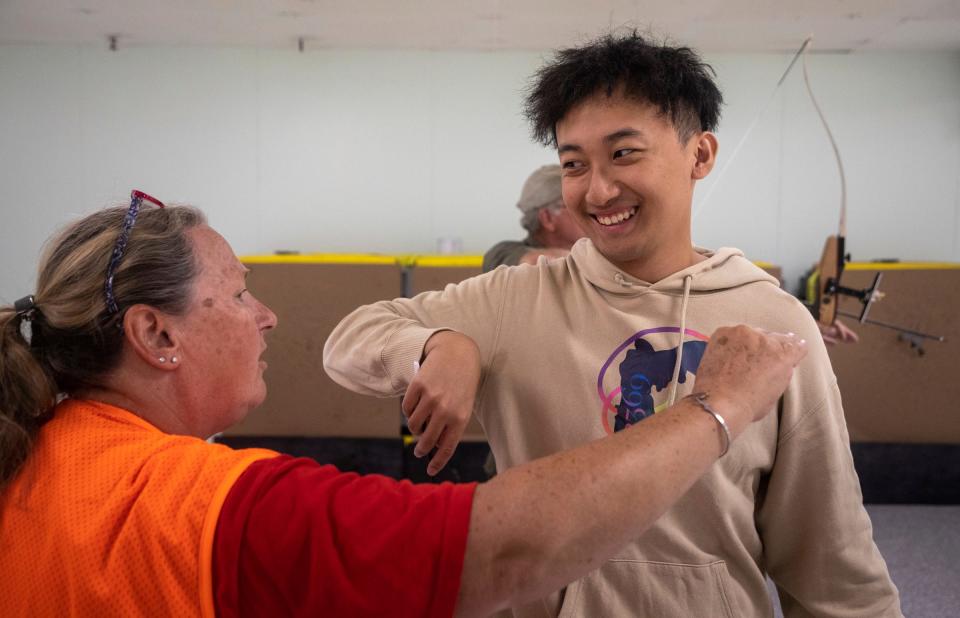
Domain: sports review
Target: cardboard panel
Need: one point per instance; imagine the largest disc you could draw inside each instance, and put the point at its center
(310, 299)
(426, 278)
(893, 391)
(776, 271)
(771, 269)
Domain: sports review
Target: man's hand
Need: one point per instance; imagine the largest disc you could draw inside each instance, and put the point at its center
(838, 332)
(439, 399)
(748, 369)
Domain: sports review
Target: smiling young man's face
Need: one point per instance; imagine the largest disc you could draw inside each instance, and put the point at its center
(628, 180)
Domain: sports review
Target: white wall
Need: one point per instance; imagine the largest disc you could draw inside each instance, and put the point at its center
(896, 118)
(387, 151)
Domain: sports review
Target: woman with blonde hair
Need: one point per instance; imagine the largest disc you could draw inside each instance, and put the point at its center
(141, 340)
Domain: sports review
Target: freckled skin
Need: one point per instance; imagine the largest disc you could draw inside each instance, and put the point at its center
(222, 336)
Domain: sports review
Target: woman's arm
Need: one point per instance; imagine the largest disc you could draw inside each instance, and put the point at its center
(296, 536)
(537, 527)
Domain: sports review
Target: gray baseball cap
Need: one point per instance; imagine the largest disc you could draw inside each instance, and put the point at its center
(541, 189)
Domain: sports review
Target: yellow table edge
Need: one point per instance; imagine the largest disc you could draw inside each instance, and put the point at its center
(476, 261)
(320, 258)
(447, 261)
(902, 266)
(427, 261)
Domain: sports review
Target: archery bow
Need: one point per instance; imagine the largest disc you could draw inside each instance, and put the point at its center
(825, 305)
(833, 258)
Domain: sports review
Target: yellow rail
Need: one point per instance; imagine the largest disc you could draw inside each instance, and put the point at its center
(320, 258)
(902, 266)
(427, 261)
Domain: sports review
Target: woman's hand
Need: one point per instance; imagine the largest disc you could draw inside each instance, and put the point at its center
(748, 369)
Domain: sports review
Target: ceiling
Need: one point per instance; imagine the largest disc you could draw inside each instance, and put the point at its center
(710, 25)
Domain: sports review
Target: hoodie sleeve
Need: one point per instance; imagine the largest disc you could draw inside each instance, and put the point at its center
(372, 351)
(817, 537)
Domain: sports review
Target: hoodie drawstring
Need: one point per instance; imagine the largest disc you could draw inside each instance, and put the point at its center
(683, 329)
(687, 282)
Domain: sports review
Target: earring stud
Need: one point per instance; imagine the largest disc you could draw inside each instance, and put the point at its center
(162, 359)
(173, 359)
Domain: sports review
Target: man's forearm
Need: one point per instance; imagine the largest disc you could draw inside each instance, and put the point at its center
(354, 353)
(373, 349)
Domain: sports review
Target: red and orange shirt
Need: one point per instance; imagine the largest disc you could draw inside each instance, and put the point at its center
(109, 515)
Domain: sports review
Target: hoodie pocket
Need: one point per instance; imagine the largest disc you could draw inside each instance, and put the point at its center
(650, 590)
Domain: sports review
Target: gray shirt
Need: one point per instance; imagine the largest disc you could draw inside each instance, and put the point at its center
(507, 252)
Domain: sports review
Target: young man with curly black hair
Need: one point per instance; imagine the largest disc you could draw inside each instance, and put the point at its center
(565, 351)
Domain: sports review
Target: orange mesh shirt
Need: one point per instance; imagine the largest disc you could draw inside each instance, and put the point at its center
(111, 516)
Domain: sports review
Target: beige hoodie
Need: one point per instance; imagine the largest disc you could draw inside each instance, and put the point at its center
(574, 349)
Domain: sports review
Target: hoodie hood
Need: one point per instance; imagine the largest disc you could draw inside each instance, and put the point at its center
(723, 269)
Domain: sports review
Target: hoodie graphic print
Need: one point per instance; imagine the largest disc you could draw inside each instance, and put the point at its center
(643, 369)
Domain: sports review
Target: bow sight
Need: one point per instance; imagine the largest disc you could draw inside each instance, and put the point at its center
(827, 303)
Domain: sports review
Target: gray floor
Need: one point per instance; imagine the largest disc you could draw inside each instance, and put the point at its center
(921, 545)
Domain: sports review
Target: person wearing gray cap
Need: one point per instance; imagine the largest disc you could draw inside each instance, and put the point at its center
(551, 231)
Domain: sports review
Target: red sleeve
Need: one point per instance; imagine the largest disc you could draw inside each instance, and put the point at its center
(298, 538)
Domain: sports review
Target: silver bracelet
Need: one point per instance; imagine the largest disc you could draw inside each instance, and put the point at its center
(701, 400)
